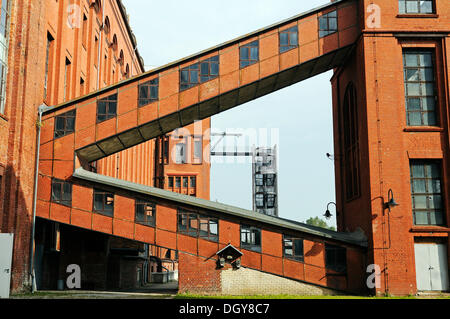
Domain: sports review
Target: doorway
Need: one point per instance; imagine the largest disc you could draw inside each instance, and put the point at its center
(431, 266)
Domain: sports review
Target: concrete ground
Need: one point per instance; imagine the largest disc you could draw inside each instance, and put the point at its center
(151, 291)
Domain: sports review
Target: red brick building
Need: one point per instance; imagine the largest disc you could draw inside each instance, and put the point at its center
(391, 124)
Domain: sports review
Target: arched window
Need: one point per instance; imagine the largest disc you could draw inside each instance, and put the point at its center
(96, 4)
(351, 144)
(114, 43)
(127, 71)
(121, 59)
(107, 26)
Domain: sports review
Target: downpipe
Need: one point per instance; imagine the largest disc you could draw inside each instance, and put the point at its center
(36, 178)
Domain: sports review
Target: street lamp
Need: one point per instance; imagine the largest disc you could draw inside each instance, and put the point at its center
(328, 214)
(391, 203)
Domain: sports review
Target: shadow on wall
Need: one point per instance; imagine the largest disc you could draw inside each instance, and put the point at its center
(15, 217)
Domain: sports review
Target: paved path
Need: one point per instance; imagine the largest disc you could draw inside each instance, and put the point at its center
(151, 291)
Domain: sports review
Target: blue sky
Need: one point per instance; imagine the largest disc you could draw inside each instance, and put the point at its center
(172, 29)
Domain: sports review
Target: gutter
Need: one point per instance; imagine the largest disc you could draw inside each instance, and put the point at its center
(36, 178)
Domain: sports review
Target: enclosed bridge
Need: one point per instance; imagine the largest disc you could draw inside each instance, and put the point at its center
(264, 250)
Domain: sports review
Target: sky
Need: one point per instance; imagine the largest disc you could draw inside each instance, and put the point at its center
(300, 116)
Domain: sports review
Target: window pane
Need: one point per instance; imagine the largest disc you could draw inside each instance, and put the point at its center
(436, 218)
(426, 7)
(420, 202)
(184, 76)
(413, 89)
(214, 69)
(194, 76)
(421, 218)
(332, 24)
(244, 53)
(425, 59)
(418, 171)
(204, 68)
(434, 171)
(323, 23)
(419, 186)
(414, 118)
(429, 119)
(284, 38)
(412, 74)
(254, 53)
(410, 59)
(435, 201)
(414, 104)
(56, 191)
(434, 186)
(412, 6)
(294, 38)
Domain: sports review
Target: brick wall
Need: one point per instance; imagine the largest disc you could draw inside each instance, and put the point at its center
(252, 282)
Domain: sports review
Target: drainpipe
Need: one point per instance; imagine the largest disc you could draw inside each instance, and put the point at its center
(36, 177)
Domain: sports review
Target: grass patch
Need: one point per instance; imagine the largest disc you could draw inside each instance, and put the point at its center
(194, 296)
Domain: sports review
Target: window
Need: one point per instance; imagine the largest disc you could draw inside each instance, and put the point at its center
(4, 44)
(84, 31)
(148, 92)
(65, 124)
(288, 39)
(195, 225)
(67, 70)
(209, 228)
(48, 53)
(328, 24)
(106, 108)
(420, 88)
(198, 150)
(103, 203)
(61, 192)
(426, 193)
(259, 200)
(259, 179)
(82, 87)
(336, 258)
(189, 77)
(145, 213)
(351, 144)
(94, 55)
(416, 6)
(180, 153)
(186, 185)
(209, 69)
(199, 73)
(269, 180)
(271, 200)
(293, 248)
(250, 238)
(249, 54)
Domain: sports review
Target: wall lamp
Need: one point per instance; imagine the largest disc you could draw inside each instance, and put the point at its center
(391, 203)
(328, 214)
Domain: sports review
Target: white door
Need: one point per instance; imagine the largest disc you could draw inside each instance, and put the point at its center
(431, 267)
(6, 248)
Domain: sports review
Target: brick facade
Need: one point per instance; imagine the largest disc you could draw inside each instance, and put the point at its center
(366, 53)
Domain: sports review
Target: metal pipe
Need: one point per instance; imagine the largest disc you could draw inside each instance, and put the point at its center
(36, 178)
